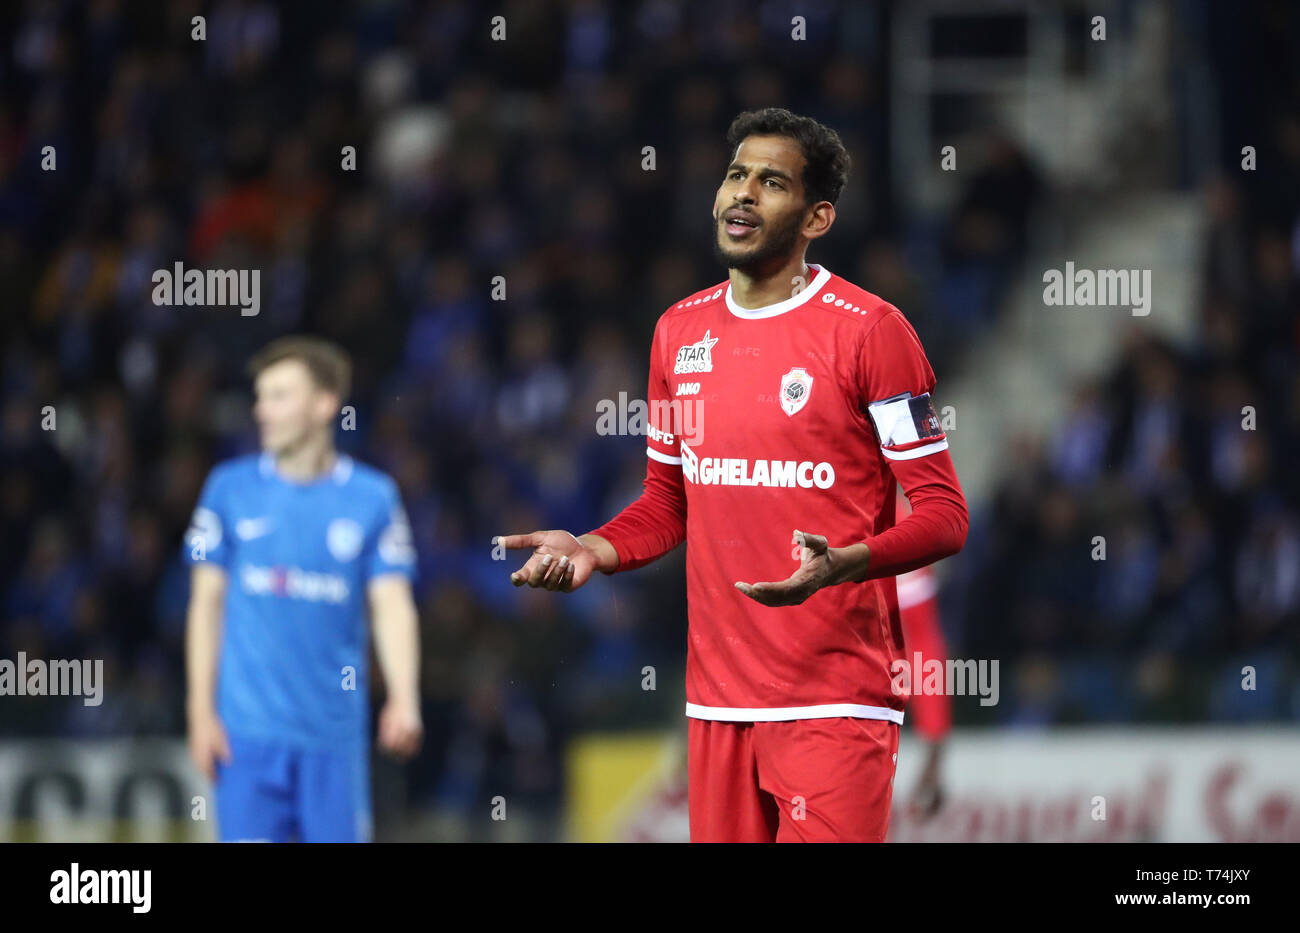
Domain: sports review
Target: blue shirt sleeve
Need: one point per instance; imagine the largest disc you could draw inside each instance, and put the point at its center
(391, 549)
(207, 540)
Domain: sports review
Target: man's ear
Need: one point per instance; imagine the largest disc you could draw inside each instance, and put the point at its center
(819, 220)
(332, 404)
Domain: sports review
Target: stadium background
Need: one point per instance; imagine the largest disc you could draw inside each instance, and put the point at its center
(525, 158)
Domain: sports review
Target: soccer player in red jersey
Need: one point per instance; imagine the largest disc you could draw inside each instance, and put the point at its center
(784, 404)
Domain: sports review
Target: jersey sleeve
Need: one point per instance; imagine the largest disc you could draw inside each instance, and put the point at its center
(208, 538)
(390, 548)
(655, 523)
(896, 382)
(664, 419)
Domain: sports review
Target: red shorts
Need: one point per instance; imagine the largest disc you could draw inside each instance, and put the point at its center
(802, 780)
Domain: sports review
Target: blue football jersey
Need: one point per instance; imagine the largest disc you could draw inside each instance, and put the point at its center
(298, 557)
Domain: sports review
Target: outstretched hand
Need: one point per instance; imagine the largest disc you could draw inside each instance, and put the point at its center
(819, 566)
(559, 560)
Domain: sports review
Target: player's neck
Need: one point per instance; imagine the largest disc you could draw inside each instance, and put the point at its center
(307, 462)
(755, 288)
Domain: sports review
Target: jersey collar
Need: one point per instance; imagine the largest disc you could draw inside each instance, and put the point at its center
(339, 473)
(819, 280)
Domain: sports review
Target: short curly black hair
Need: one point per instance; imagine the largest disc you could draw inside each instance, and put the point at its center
(826, 167)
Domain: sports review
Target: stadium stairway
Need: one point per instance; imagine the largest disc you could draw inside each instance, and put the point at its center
(1019, 378)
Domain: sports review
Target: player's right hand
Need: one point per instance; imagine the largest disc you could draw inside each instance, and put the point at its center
(559, 560)
(928, 797)
(208, 743)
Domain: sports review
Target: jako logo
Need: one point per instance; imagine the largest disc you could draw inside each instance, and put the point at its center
(1105, 288)
(215, 288)
(118, 886)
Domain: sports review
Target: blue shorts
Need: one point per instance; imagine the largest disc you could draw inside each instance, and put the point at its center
(273, 792)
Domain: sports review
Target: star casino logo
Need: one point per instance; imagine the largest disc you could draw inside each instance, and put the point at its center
(696, 357)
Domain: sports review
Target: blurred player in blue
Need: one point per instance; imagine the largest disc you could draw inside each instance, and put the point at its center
(289, 549)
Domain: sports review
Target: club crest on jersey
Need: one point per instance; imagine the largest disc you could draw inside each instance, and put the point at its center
(696, 357)
(796, 386)
(344, 538)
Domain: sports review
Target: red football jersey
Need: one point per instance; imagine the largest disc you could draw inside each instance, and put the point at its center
(793, 416)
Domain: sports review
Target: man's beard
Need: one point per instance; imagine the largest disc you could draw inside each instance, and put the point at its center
(778, 242)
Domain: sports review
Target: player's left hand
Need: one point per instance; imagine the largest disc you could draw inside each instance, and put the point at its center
(400, 729)
(819, 566)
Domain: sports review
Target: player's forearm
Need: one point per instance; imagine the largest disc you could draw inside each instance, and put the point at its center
(649, 527)
(634, 539)
(931, 533)
(606, 555)
(936, 528)
(849, 564)
(927, 535)
(202, 650)
(397, 645)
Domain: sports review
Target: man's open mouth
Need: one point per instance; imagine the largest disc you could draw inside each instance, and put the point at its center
(739, 224)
